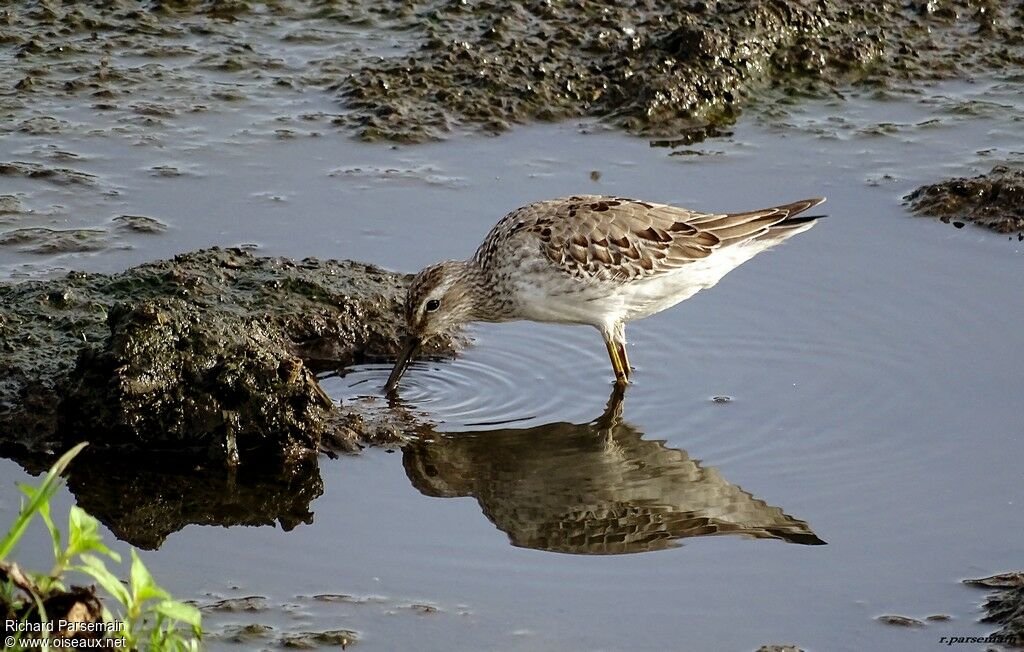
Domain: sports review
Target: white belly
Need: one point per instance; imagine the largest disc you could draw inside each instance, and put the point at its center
(566, 299)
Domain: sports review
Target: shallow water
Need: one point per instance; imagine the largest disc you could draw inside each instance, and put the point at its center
(873, 363)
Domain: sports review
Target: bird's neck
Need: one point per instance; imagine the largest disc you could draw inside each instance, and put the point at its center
(487, 301)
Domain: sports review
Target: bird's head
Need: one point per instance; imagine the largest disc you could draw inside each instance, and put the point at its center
(440, 298)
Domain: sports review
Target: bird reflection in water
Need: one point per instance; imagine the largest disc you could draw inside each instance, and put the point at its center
(593, 489)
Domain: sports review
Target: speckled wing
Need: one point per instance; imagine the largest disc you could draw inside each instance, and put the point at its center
(616, 238)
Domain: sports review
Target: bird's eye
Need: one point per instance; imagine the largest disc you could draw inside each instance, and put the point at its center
(433, 305)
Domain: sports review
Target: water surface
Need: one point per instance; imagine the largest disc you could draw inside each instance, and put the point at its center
(873, 365)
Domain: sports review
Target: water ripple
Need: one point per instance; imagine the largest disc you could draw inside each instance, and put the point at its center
(514, 373)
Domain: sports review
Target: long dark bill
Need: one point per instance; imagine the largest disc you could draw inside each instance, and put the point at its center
(412, 344)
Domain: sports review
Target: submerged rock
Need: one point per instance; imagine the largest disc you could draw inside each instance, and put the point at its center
(212, 353)
(994, 200)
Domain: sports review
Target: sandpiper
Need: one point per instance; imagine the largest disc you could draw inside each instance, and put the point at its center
(588, 259)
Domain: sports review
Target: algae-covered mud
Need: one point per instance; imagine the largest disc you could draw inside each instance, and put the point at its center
(209, 353)
(994, 200)
(412, 71)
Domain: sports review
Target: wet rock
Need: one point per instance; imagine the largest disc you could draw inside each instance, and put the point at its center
(994, 200)
(900, 621)
(313, 640)
(211, 352)
(10, 204)
(139, 224)
(250, 603)
(423, 609)
(1006, 607)
(38, 240)
(250, 633)
(1000, 581)
(59, 176)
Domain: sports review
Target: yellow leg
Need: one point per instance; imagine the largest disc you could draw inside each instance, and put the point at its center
(618, 364)
(624, 358)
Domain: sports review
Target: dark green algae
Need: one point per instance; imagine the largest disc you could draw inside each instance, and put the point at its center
(211, 354)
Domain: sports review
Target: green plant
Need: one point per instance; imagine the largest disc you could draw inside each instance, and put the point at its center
(148, 618)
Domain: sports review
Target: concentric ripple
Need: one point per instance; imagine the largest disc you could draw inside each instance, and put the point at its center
(513, 373)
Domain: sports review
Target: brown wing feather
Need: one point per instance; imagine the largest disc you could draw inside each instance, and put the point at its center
(600, 237)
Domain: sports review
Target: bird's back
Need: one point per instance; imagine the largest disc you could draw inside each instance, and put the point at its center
(593, 237)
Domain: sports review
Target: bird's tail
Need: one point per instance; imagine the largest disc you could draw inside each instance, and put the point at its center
(794, 221)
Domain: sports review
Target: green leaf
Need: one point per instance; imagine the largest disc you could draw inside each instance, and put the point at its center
(84, 535)
(40, 496)
(147, 593)
(141, 581)
(44, 511)
(96, 569)
(181, 612)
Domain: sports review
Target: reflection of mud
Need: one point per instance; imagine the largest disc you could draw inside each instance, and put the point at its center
(596, 488)
(144, 499)
(994, 200)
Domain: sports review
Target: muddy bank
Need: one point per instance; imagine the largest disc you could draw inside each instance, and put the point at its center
(656, 67)
(994, 200)
(413, 71)
(211, 354)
